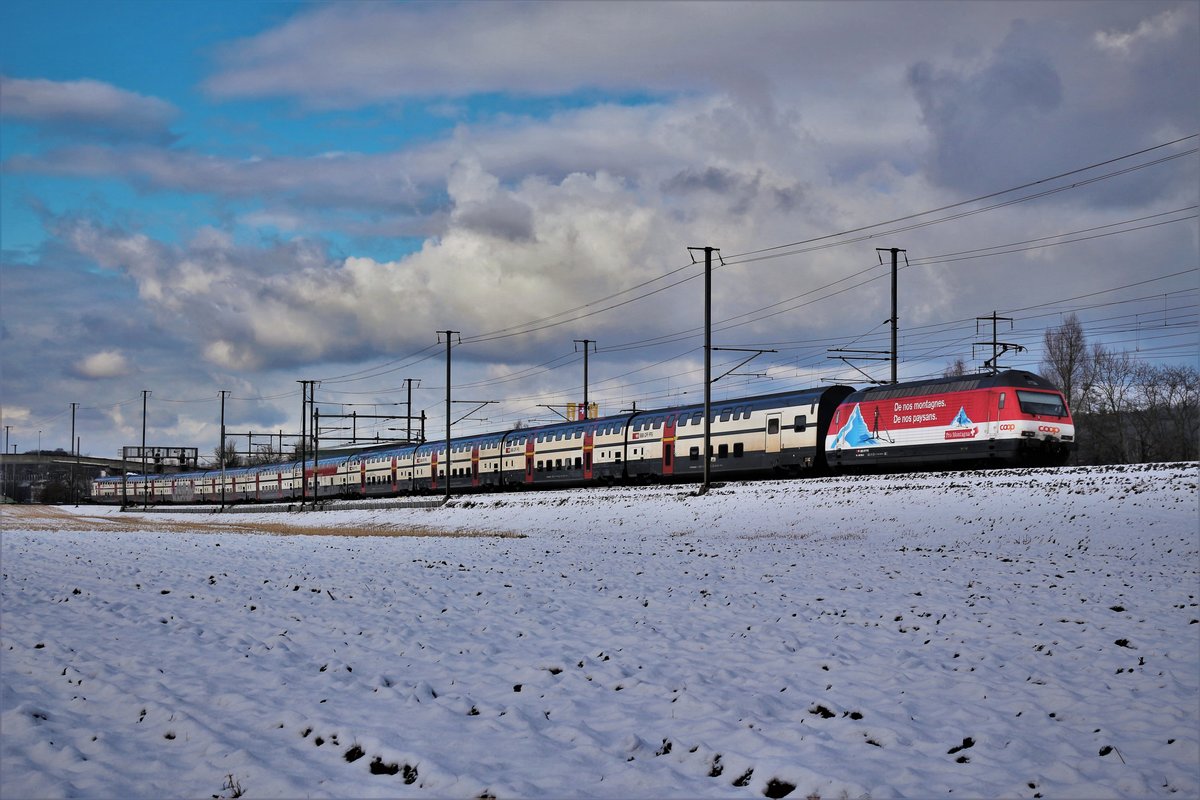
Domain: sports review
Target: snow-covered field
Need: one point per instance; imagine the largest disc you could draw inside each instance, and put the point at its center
(1004, 634)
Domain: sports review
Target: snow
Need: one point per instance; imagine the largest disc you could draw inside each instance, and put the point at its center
(1018, 633)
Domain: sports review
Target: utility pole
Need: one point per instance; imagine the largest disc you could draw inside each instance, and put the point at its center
(145, 483)
(315, 429)
(303, 439)
(708, 251)
(449, 339)
(74, 451)
(588, 344)
(895, 320)
(221, 449)
(408, 411)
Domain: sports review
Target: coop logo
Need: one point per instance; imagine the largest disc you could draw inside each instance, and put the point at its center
(1008, 426)
(1048, 429)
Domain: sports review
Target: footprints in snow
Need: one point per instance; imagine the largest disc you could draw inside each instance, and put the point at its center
(407, 772)
(966, 742)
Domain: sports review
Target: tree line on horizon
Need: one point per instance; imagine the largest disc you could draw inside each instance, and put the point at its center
(1125, 411)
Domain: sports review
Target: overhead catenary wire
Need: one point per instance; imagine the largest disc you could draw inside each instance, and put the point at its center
(545, 323)
(840, 238)
(1076, 171)
(756, 316)
(607, 386)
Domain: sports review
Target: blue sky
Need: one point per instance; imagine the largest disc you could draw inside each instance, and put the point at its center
(197, 197)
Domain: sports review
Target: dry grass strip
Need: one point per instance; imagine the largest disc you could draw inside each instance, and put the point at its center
(50, 518)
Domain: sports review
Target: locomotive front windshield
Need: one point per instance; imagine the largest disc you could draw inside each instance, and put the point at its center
(1041, 403)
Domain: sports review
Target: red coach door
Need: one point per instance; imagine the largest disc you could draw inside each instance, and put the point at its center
(529, 460)
(475, 465)
(589, 444)
(362, 476)
(394, 486)
(433, 470)
(668, 446)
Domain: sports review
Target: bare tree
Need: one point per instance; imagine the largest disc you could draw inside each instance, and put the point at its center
(956, 369)
(1114, 380)
(1067, 362)
(1148, 421)
(264, 454)
(1162, 418)
(227, 455)
(1183, 387)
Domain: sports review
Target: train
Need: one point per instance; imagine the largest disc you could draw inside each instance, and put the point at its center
(1006, 419)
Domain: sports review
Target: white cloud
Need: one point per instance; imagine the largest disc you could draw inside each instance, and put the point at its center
(87, 108)
(344, 55)
(17, 414)
(1159, 28)
(230, 355)
(104, 364)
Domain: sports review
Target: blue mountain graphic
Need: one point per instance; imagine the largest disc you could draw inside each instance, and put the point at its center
(854, 433)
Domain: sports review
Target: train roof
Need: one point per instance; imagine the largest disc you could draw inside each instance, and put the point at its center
(958, 383)
(801, 396)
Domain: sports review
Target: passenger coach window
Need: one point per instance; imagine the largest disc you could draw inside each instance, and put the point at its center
(800, 423)
(773, 425)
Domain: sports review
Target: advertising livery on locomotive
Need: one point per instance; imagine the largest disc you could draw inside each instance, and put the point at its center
(1012, 418)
